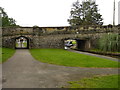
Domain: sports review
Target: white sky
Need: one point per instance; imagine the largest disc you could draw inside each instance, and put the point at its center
(51, 12)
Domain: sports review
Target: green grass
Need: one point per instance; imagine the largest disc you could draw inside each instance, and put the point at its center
(109, 81)
(5, 54)
(0, 54)
(16, 44)
(25, 44)
(97, 50)
(67, 58)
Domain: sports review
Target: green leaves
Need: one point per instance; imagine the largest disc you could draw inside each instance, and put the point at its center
(6, 21)
(85, 14)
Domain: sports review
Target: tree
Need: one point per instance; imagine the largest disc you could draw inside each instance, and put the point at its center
(6, 21)
(85, 14)
(35, 26)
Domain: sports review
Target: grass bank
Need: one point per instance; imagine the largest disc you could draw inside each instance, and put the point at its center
(97, 50)
(66, 58)
(5, 53)
(109, 81)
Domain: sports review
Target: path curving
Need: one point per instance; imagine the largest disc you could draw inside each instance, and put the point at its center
(23, 71)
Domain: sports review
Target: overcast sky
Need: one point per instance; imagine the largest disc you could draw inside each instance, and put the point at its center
(51, 12)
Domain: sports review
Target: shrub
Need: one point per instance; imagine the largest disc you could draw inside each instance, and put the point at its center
(109, 42)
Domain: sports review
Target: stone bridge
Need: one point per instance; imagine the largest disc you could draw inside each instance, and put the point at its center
(53, 37)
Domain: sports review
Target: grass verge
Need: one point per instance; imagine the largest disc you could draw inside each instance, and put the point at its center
(109, 81)
(5, 53)
(97, 50)
(66, 58)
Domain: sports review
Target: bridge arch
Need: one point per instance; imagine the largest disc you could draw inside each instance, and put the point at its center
(22, 42)
(77, 43)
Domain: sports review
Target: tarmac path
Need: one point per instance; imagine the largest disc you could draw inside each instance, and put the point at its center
(23, 71)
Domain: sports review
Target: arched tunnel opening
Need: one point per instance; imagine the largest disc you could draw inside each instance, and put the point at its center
(21, 43)
(77, 44)
(81, 44)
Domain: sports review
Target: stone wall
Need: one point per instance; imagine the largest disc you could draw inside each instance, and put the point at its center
(53, 37)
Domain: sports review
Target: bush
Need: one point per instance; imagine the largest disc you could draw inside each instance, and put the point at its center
(109, 42)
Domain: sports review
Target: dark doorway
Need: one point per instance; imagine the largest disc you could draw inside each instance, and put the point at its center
(81, 44)
(22, 42)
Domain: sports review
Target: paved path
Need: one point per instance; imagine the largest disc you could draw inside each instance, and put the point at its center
(97, 55)
(23, 71)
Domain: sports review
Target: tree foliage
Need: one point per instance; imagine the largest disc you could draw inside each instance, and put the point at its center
(6, 21)
(85, 14)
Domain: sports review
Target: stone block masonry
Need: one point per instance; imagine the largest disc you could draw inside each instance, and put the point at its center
(53, 37)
